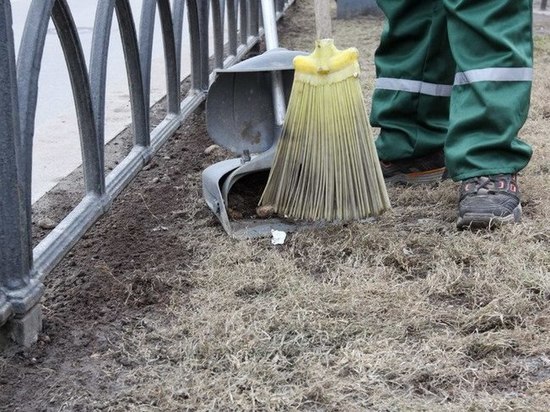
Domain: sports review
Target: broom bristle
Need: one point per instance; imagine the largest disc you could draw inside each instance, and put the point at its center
(326, 166)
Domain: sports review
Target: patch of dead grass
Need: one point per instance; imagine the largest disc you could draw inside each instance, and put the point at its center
(354, 318)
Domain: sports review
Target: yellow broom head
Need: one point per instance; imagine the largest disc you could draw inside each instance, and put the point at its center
(327, 64)
(326, 166)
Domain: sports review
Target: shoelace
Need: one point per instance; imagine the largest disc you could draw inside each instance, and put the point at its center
(490, 184)
(480, 183)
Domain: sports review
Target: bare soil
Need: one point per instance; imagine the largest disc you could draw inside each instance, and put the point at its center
(156, 309)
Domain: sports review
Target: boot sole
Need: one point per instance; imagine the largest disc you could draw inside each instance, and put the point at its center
(418, 178)
(486, 220)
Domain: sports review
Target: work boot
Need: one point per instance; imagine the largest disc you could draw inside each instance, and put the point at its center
(411, 171)
(487, 201)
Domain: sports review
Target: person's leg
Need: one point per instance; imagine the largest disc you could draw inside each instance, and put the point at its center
(415, 73)
(491, 42)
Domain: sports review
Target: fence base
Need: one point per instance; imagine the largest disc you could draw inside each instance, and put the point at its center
(22, 330)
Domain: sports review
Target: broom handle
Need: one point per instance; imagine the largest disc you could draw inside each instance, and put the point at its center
(322, 19)
(272, 42)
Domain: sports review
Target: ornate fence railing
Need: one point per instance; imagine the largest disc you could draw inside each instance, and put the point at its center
(22, 268)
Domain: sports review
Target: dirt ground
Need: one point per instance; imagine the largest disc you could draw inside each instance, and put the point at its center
(156, 309)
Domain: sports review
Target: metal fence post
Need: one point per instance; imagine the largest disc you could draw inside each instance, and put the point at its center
(218, 19)
(232, 26)
(204, 14)
(350, 8)
(279, 6)
(19, 290)
(194, 44)
(243, 9)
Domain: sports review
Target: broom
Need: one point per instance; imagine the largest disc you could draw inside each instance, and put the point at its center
(326, 166)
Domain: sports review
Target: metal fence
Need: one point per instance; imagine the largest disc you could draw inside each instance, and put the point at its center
(23, 269)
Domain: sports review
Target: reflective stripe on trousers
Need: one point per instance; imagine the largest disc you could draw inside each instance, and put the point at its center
(491, 74)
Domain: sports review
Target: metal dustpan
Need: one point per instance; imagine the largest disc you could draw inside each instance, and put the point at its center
(240, 111)
(245, 112)
(242, 117)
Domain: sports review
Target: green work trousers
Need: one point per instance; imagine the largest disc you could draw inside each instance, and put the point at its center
(455, 75)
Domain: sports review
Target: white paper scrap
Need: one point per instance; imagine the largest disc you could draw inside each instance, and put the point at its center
(279, 237)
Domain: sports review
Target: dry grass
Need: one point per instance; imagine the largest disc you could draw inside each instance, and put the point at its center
(402, 313)
(355, 318)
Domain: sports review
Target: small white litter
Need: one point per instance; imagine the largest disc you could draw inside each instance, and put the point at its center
(279, 237)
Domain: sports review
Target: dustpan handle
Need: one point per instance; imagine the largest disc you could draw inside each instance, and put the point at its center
(270, 25)
(322, 19)
(272, 42)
